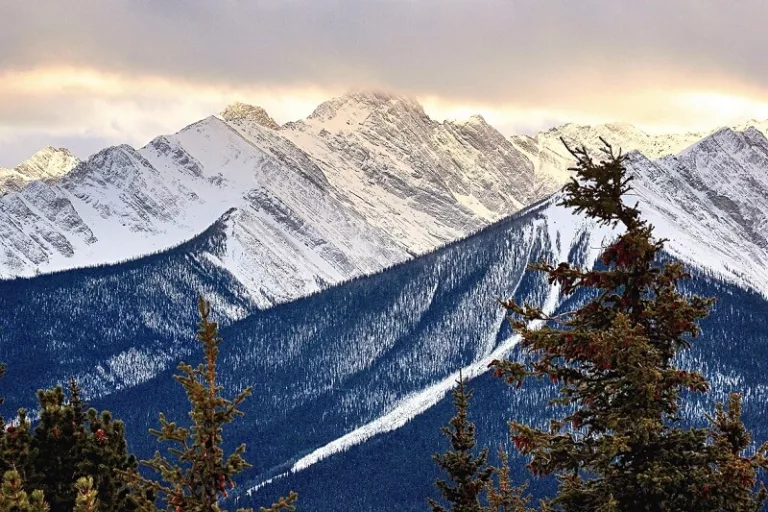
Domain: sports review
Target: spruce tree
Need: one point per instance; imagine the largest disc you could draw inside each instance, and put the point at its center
(622, 445)
(14, 498)
(503, 495)
(469, 473)
(68, 444)
(197, 475)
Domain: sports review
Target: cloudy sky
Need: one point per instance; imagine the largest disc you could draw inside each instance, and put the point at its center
(89, 73)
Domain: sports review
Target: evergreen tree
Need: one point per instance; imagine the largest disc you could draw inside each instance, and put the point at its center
(68, 444)
(469, 473)
(15, 442)
(86, 500)
(13, 497)
(76, 402)
(622, 446)
(200, 475)
(504, 496)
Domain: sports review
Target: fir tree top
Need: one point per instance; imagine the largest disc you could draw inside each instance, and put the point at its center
(622, 446)
(198, 474)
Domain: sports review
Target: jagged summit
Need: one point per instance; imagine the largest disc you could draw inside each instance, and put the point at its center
(49, 162)
(356, 105)
(243, 112)
(320, 197)
(473, 120)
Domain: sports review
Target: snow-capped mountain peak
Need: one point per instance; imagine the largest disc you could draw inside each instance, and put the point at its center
(354, 107)
(47, 164)
(242, 112)
(366, 181)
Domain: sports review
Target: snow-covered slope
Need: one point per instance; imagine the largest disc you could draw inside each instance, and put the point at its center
(707, 194)
(48, 163)
(551, 160)
(423, 182)
(366, 181)
(713, 199)
(340, 371)
(288, 237)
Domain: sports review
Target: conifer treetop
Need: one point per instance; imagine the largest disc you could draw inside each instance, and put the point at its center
(197, 475)
(468, 472)
(620, 445)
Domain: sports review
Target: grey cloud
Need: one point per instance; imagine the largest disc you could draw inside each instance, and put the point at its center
(483, 50)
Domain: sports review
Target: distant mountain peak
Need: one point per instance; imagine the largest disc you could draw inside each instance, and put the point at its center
(357, 104)
(47, 163)
(243, 112)
(376, 97)
(476, 119)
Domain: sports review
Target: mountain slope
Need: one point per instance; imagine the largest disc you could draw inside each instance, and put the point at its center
(712, 200)
(343, 374)
(316, 204)
(425, 182)
(551, 160)
(288, 235)
(368, 180)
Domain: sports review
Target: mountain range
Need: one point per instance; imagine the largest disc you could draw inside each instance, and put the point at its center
(368, 180)
(353, 260)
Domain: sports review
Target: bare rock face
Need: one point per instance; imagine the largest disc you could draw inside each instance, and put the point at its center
(242, 112)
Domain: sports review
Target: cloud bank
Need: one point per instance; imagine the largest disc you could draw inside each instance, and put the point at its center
(119, 69)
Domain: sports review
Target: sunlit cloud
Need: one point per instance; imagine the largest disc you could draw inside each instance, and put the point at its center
(74, 103)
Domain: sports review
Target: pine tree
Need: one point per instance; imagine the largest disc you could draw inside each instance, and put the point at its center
(504, 496)
(13, 497)
(76, 402)
(68, 444)
(622, 446)
(469, 473)
(55, 451)
(86, 497)
(200, 475)
(15, 442)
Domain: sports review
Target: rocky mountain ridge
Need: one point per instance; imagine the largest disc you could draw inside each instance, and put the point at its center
(314, 203)
(366, 181)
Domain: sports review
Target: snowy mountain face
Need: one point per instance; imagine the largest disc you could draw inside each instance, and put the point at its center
(367, 181)
(424, 183)
(706, 194)
(712, 200)
(551, 159)
(47, 164)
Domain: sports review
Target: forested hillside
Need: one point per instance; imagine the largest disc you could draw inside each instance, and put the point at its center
(362, 368)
